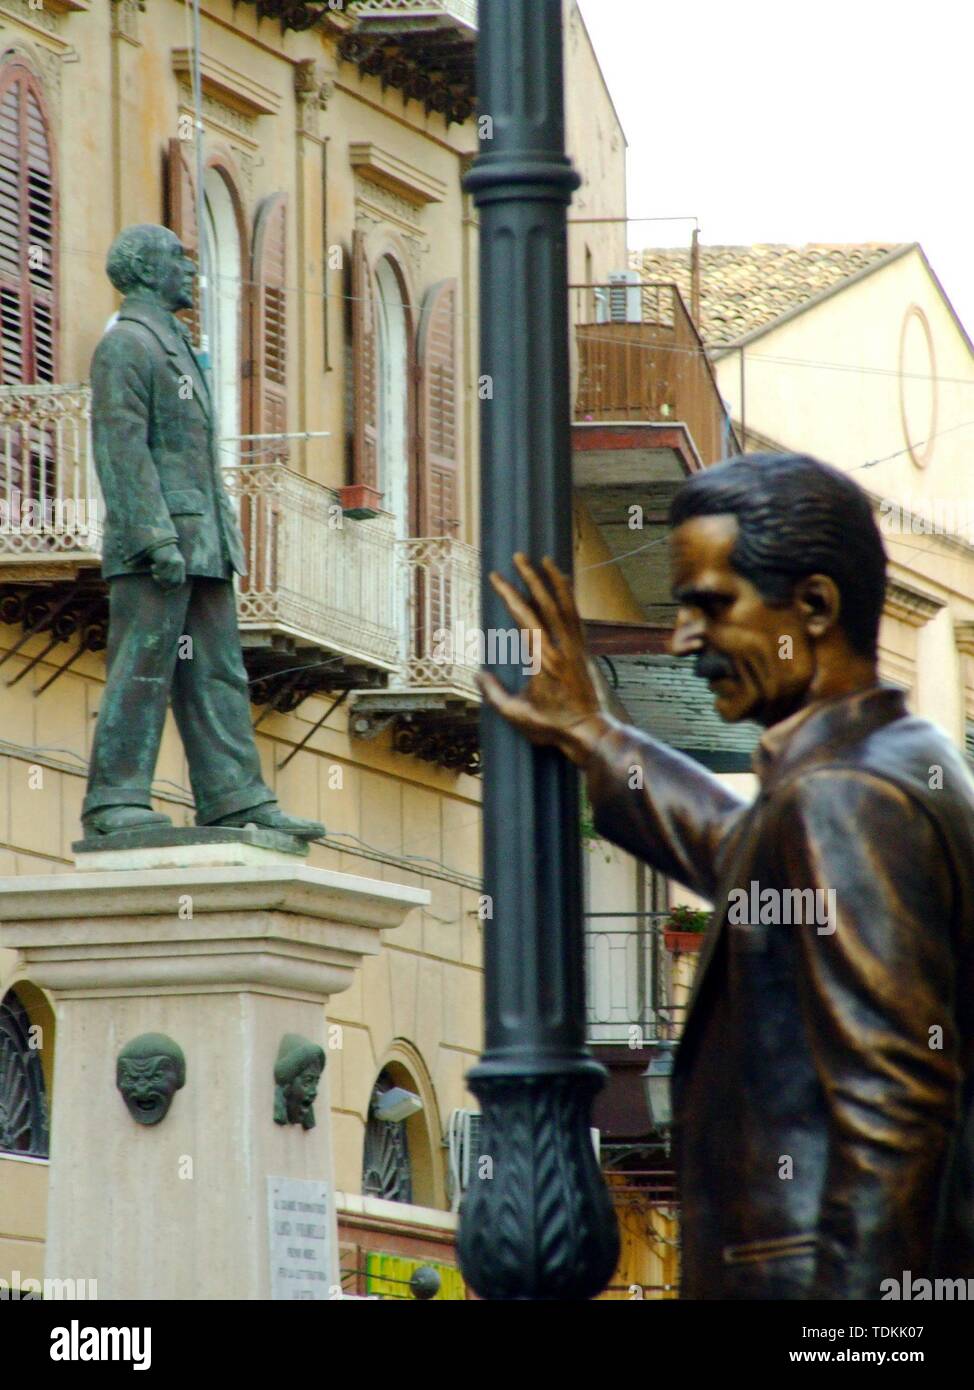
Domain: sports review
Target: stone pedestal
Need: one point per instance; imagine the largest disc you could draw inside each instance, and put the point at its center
(225, 958)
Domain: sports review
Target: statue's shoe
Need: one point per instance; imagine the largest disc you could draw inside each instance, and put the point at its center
(269, 816)
(112, 819)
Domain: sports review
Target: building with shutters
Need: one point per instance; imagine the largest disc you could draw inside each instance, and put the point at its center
(316, 176)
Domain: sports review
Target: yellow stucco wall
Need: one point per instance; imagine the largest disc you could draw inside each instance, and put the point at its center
(114, 108)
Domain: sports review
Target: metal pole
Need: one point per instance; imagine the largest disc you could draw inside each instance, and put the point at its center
(538, 1223)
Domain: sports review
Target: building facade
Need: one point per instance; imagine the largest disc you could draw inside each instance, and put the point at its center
(311, 158)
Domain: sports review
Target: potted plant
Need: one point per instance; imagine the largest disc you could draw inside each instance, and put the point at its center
(684, 928)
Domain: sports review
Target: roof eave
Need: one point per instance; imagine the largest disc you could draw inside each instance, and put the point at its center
(726, 349)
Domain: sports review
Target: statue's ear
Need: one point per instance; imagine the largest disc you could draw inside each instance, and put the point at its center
(144, 268)
(819, 599)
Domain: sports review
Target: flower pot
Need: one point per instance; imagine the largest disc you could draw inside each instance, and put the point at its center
(360, 501)
(677, 941)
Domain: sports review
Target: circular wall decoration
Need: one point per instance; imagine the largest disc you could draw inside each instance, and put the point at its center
(918, 386)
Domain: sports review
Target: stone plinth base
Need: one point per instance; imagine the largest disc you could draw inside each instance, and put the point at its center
(225, 959)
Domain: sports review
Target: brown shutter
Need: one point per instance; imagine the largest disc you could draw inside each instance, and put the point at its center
(182, 216)
(268, 325)
(28, 232)
(438, 444)
(365, 458)
(28, 268)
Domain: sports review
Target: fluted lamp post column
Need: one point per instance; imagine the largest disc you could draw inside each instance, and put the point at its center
(538, 1224)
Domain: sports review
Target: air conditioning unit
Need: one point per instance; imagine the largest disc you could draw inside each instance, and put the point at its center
(463, 1130)
(621, 301)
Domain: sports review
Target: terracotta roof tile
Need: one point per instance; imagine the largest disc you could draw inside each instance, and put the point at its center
(743, 288)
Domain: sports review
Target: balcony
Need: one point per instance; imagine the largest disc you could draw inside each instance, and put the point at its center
(431, 703)
(327, 604)
(415, 16)
(50, 503)
(424, 48)
(630, 996)
(318, 601)
(641, 359)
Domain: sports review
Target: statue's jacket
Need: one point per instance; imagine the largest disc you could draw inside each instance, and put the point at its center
(823, 1088)
(156, 450)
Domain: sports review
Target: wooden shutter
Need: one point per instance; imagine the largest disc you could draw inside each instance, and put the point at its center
(183, 217)
(268, 325)
(28, 272)
(365, 456)
(438, 443)
(28, 232)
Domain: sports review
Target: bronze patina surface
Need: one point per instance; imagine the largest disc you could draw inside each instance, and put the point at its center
(824, 1082)
(149, 1071)
(171, 549)
(297, 1072)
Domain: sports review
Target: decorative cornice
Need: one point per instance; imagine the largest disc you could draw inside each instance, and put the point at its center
(964, 637)
(396, 174)
(42, 22)
(229, 120)
(228, 85)
(910, 605)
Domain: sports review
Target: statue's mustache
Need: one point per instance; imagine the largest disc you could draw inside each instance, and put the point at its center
(711, 666)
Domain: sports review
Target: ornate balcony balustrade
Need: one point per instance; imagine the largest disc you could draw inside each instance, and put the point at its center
(316, 582)
(328, 603)
(50, 503)
(413, 15)
(442, 581)
(432, 703)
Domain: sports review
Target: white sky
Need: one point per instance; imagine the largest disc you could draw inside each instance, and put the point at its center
(825, 121)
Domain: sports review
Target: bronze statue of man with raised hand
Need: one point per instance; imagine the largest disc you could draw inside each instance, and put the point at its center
(823, 1089)
(171, 548)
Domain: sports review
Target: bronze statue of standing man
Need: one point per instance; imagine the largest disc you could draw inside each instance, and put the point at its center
(171, 549)
(823, 1091)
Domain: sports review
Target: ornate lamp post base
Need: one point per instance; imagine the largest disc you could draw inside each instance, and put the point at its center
(541, 1225)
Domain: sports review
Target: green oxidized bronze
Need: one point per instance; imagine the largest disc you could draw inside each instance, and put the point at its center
(149, 1071)
(297, 1073)
(171, 549)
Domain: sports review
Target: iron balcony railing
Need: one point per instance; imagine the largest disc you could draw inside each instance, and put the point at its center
(313, 574)
(50, 502)
(440, 580)
(409, 607)
(628, 987)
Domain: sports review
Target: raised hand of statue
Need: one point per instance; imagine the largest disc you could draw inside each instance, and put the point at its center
(559, 706)
(168, 567)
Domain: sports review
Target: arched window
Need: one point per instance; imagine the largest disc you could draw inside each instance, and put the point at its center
(386, 1165)
(23, 1098)
(28, 231)
(393, 394)
(224, 265)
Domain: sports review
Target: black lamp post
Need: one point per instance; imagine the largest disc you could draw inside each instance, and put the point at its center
(539, 1224)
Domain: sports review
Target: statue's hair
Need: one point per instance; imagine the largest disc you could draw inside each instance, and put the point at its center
(797, 517)
(155, 1045)
(126, 253)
